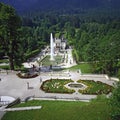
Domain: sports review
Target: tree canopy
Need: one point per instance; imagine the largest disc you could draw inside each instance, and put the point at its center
(9, 36)
(94, 35)
(115, 103)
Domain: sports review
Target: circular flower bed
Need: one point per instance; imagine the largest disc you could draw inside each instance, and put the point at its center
(27, 75)
(56, 86)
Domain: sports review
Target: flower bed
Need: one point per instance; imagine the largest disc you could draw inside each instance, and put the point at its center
(95, 87)
(27, 75)
(56, 86)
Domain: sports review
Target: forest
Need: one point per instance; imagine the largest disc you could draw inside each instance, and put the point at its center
(93, 34)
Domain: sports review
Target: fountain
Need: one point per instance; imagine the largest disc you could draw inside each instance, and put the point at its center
(51, 48)
(75, 85)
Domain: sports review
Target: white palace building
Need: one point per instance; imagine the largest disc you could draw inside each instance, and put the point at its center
(60, 44)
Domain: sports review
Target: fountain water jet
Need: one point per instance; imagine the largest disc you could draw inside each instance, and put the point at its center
(51, 48)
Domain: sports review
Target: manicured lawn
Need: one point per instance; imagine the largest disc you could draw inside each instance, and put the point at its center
(95, 87)
(46, 61)
(56, 86)
(84, 67)
(61, 110)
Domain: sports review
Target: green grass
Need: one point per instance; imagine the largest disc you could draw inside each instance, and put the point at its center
(32, 53)
(5, 67)
(61, 110)
(46, 61)
(4, 61)
(96, 88)
(56, 86)
(84, 67)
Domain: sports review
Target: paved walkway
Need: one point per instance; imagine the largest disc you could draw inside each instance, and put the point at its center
(70, 62)
(3, 109)
(2, 112)
(23, 108)
(12, 85)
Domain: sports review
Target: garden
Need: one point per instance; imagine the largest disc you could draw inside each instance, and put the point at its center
(27, 75)
(56, 86)
(46, 61)
(93, 88)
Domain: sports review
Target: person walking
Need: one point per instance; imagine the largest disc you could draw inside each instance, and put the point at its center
(40, 79)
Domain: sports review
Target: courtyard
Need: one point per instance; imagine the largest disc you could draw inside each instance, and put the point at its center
(12, 85)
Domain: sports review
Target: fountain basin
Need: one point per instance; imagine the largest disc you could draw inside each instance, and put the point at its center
(76, 86)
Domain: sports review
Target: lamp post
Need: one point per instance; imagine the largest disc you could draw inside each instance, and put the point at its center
(39, 62)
